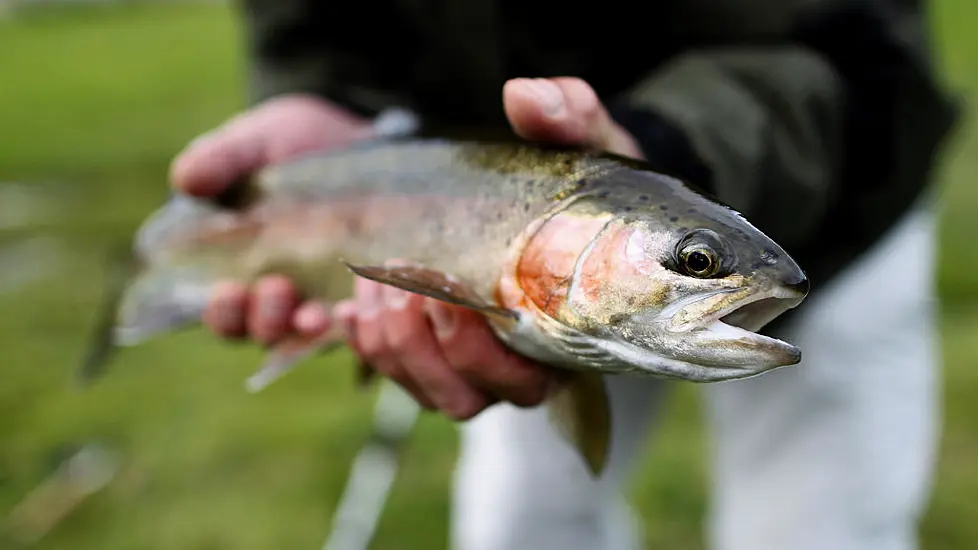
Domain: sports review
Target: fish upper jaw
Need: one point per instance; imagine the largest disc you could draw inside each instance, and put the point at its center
(746, 308)
(709, 337)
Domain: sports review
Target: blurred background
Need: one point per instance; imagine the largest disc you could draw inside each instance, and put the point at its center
(95, 99)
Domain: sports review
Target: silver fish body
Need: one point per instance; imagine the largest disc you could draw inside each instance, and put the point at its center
(584, 261)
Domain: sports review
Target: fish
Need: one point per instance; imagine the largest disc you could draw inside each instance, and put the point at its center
(588, 262)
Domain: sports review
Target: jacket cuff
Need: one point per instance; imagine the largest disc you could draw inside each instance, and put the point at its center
(666, 147)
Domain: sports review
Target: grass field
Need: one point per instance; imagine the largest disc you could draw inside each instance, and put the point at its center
(99, 100)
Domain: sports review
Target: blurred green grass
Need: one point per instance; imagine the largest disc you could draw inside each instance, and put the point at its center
(99, 100)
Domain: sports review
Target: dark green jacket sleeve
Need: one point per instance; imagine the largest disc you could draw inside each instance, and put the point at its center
(296, 46)
(764, 123)
(283, 53)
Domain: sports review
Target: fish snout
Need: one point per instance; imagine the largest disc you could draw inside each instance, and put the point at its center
(797, 284)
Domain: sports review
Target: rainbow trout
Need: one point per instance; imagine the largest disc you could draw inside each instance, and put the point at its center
(587, 262)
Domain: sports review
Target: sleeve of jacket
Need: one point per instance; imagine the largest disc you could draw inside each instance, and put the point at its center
(760, 128)
(284, 51)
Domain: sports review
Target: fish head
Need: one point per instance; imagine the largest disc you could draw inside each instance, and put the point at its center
(677, 285)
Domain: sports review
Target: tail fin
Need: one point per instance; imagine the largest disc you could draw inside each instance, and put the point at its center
(139, 304)
(145, 298)
(160, 301)
(120, 267)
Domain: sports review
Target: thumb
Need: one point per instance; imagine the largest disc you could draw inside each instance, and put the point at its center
(272, 132)
(564, 110)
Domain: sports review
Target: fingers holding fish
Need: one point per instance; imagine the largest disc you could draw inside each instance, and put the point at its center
(311, 318)
(411, 341)
(368, 339)
(267, 312)
(274, 299)
(479, 357)
(226, 314)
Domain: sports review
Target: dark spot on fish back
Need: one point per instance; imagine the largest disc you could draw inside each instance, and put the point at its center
(674, 219)
(643, 198)
(664, 207)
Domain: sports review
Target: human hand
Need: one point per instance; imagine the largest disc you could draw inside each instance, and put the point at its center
(455, 364)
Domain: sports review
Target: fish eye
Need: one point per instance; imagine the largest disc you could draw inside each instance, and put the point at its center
(699, 260)
(701, 254)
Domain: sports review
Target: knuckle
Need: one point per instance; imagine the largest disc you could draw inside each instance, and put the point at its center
(590, 111)
(422, 401)
(466, 411)
(521, 383)
(477, 358)
(469, 357)
(408, 331)
(529, 395)
(402, 336)
(372, 349)
(468, 367)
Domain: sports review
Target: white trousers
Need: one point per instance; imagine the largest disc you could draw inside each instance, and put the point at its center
(832, 454)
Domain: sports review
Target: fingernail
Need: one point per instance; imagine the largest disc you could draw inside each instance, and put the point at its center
(459, 407)
(442, 318)
(549, 96)
(311, 318)
(395, 297)
(345, 311)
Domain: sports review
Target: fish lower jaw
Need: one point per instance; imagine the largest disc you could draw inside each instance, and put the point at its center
(737, 354)
(638, 361)
(720, 331)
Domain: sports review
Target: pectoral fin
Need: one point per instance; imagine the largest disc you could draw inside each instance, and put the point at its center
(434, 284)
(580, 411)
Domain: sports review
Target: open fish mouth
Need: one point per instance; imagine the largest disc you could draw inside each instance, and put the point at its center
(709, 338)
(754, 314)
(719, 329)
(731, 320)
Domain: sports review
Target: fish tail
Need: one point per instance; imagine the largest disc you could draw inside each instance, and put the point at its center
(120, 267)
(153, 286)
(169, 289)
(140, 303)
